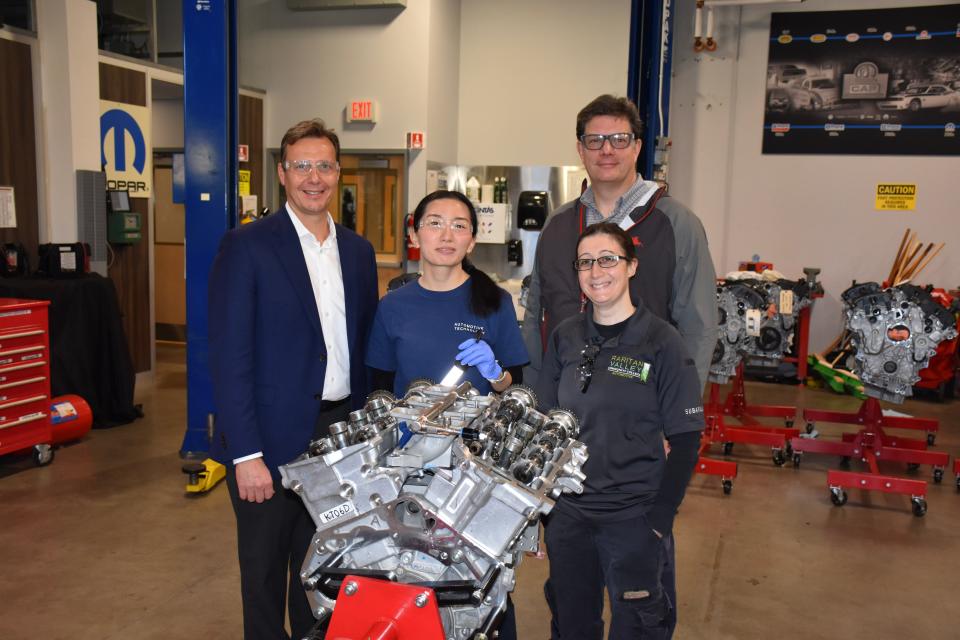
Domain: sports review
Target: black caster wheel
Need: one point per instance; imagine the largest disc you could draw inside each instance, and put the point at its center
(912, 467)
(919, 506)
(938, 475)
(809, 427)
(42, 455)
(845, 462)
(778, 457)
(193, 471)
(838, 496)
(789, 449)
(727, 448)
(788, 423)
(931, 439)
(727, 487)
(958, 483)
(796, 459)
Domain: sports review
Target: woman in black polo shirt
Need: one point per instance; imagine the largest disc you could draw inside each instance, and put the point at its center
(626, 374)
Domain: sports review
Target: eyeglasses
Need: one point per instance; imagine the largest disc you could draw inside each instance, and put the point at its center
(457, 226)
(594, 141)
(303, 167)
(605, 261)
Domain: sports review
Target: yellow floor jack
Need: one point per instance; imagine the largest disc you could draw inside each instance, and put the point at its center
(203, 476)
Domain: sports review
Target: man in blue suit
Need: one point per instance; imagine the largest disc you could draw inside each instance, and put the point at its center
(292, 298)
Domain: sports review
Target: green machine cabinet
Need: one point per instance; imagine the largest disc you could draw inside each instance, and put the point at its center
(123, 227)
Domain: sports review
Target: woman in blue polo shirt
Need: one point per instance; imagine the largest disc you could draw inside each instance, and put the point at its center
(421, 328)
(626, 375)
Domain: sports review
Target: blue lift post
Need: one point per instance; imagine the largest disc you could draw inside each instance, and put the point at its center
(644, 73)
(210, 121)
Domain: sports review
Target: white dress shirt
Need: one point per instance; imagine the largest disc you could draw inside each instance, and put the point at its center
(323, 265)
(326, 278)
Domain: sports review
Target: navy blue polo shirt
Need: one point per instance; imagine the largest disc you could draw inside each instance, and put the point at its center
(416, 333)
(644, 388)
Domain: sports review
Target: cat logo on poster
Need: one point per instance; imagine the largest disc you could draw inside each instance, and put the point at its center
(866, 82)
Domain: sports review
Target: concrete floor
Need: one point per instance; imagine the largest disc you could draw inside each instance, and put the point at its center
(104, 544)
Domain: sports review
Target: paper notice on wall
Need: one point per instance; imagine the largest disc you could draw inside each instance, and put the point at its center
(248, 209)
(573, 182)
(244, 182)
(8, 209)
(896, 197)
(433, 180)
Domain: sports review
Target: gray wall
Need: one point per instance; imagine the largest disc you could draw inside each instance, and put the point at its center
(527, 67)
(490, 81)
(166, 119)
(443, 81)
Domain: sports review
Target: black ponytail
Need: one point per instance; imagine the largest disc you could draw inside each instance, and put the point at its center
(485, 295)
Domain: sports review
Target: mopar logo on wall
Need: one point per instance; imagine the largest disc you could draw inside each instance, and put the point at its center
(125, 149)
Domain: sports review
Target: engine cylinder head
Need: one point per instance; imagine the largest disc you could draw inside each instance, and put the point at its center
(340, 434)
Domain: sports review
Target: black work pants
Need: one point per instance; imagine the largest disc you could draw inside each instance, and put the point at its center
(628, 559)
(272, 541)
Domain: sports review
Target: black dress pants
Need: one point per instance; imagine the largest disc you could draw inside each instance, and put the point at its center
(272, 541)
(627, 559)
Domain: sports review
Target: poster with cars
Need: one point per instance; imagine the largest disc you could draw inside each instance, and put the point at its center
(884, 81)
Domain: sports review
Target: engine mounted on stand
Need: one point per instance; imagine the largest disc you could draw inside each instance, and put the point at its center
(442, 489)
(758, 313)
(894, 333)
(757, 318)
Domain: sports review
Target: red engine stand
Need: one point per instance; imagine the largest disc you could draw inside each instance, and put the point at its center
(750, 430)
(371, 609)
(956, 471)
(712, 467)
(872, 444)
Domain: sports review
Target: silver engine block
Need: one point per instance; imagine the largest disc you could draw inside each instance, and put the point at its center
(756, 321)
(895, 333)
(443, 488)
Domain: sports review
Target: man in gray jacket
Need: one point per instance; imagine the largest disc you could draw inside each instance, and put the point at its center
(676, 279)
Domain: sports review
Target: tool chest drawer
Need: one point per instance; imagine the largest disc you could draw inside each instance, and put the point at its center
(19, 371)
(15, 338)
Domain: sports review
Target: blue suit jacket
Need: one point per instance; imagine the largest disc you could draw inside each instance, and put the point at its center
(267, 352)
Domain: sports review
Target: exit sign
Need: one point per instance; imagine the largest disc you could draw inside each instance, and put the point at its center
(362, 111)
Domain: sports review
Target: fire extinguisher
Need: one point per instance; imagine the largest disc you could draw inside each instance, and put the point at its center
(413, 249)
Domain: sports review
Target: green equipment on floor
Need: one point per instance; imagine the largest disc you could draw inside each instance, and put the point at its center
(838, 380)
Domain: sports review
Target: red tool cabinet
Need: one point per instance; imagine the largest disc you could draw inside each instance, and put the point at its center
(25, 378)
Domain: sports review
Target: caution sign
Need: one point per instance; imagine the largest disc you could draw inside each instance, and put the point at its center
(244, 182)
(896, 197)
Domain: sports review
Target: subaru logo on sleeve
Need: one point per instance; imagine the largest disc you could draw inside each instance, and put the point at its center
(122, 123)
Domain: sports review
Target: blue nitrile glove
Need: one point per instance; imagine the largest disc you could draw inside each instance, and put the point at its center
(477, 353)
